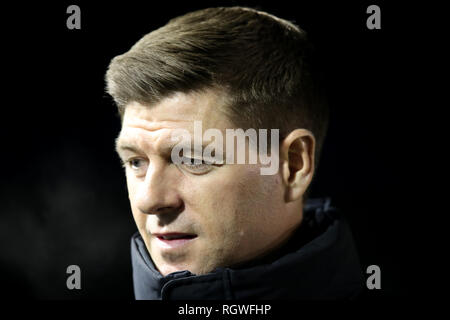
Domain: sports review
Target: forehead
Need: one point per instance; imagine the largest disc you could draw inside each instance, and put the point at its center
(179, 110)
(151, 126)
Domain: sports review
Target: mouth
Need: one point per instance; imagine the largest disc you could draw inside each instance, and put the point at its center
(174, 239)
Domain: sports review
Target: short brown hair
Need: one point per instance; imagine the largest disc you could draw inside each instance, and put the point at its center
(263, 63)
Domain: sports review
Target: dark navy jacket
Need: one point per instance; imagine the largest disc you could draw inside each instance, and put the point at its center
(318, 262)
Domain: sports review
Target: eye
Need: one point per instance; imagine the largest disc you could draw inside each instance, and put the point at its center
(196, 166)
(138, 165)
(135, 163)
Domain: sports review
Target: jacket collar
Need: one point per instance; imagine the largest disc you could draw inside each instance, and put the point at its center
(318, 262)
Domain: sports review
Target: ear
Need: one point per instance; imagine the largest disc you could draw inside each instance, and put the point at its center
(297, 162)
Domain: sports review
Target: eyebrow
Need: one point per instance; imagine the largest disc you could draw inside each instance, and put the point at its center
(129, 147)
(166, 150)
(122, 146)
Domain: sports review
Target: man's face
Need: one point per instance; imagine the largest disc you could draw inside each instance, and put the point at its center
(223, 214)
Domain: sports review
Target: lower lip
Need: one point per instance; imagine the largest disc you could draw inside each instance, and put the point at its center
(175, 243)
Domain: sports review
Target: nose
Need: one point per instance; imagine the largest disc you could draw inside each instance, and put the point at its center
(158, 194)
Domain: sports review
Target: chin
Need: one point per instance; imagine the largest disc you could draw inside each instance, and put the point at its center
(168, 268)
(197, 270)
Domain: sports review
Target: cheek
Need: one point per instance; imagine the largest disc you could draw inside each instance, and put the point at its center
(258, 204)
(213, 203)
(131, 186)
(234, 202)
(139, 218)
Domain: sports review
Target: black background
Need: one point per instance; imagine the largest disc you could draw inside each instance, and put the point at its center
(63, 193)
